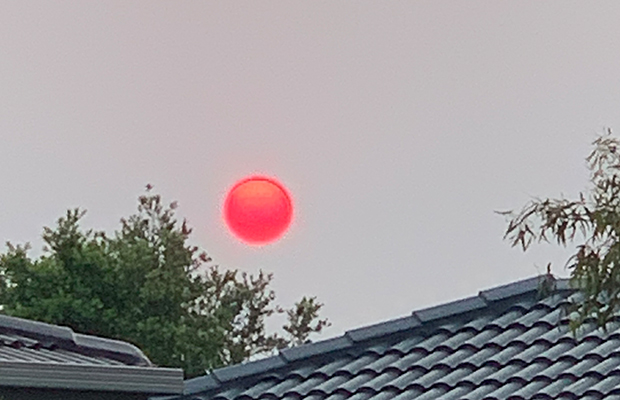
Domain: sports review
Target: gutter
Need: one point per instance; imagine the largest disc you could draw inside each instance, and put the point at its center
(149, 380)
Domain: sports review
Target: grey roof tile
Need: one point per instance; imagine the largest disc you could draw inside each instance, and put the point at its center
(295, 396)
(459, 356)
(433, 393)
(358, 364)
(557, 386)
(482, 356)
(555, 334)
(373, 331)
(483, 337)
(457, 393)
(503, 374)
(385, 394)
(606, 385)
(457, 340)
(533, 316)
(406, 379)
(431, 377)
(334, 366)
(450, 309)
(582, 348)
(262, 387)
(532, 371)
(478, 392)
(337, 396)
(531, 337)
(607, 347)
(455, 377)
(287, 385)
(507, 354)
(303, 371)
(409, 394)
(554, 370)
(530, 389)
(559, 348)
(480, 323)
(507, 336)
(552, 318)
(365, 395)
(433, 358)
(309, 350)
(580, 386)
(581, 367)
(433, 341)
(611, 364)
(410, 360)
(504, 344)
(505, 320)
(231, 393)
(382, 363)
(355, 383)
(407, 344)
(534, 352)
(203, 383)
(240, 371)
(511, 289)
(482, 374)
(362, 396)
(380, 381)
(330, 385)
(506, 390)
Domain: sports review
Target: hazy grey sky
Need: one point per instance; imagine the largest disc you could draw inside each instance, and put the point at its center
(398, 126)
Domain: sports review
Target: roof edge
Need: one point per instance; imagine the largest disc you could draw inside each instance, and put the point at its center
(521, 287)
(149, 380)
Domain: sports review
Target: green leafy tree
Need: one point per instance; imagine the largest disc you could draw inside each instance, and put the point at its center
(145, 284)
(592, 223)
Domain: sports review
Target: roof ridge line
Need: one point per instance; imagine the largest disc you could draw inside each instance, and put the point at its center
(483, 299)
(352, 337)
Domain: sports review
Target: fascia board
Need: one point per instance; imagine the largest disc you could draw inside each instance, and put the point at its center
(91, 377)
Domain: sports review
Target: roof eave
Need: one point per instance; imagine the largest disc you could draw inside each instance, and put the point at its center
(152, 381)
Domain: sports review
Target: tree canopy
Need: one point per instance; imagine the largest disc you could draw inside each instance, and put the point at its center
(146, 285)
(592, 223)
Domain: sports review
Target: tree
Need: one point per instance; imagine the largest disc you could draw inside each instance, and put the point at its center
(145, 284)
(592, 223)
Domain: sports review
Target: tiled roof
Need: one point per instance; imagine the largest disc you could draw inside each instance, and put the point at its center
(31, 341)
(505, 343)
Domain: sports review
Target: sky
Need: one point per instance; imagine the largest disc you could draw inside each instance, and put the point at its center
(398, 127)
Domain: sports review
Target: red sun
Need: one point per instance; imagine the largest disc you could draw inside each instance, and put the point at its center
(258, 210)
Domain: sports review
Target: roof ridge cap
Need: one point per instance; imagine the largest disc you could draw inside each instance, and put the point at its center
(523, 286)
(37, 329)
(483, 299)
(66, 338)
(112, 347)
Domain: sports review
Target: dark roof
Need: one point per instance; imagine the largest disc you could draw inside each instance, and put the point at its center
(36, 354)
(505, 343)
(25, 340)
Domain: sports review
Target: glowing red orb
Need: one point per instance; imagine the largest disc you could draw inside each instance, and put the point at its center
(258, 210)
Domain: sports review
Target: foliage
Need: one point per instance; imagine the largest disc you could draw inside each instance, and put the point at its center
(145, 284)
(303, 320)
(592, 223)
